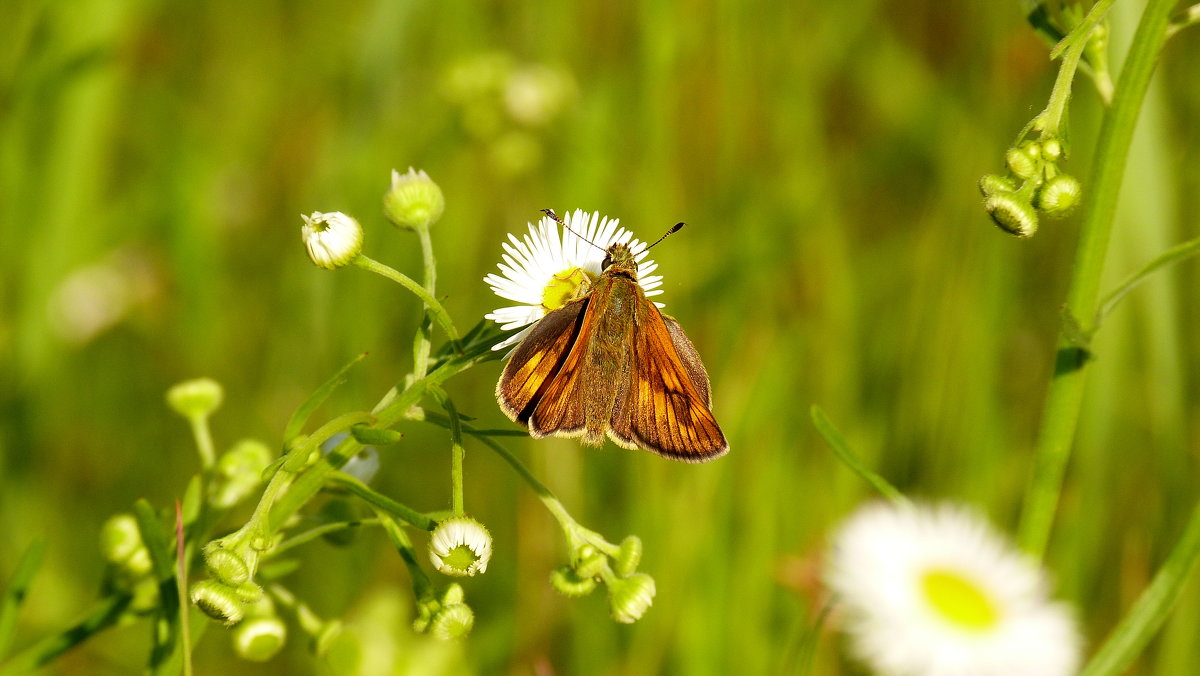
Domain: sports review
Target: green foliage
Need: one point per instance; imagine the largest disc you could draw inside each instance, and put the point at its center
(155, 158)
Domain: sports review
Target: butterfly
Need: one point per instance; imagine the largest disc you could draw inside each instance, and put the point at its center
(609, 363)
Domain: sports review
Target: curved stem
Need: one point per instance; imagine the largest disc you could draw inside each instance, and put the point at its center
(435, 308)
(1065, 396)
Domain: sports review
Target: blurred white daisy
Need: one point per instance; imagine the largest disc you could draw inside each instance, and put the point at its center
(936, 591)
(552, 265)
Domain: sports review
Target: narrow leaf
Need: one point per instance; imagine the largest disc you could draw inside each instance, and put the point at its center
(843, 452)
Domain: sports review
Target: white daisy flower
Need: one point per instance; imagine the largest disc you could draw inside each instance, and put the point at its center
(332, 239)
(936, 591)
(551, 266)
(460, 546)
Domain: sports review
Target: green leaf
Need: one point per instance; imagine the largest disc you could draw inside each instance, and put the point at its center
(14, 594)
(296, 422)
(193, 500)
(156, 539)
(843, 452)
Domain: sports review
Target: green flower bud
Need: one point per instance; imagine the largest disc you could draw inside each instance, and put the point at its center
(259, 639)
(219, 601)
(1052, 150)
(460, 546)
(1059, 196)
(989, 184)
(452, 621)
(1013, 214)
(332, 239)
(1025, 161)
(145, 596)
(195, 398)
(248, 592)
(227, 567)
(630, 597)
(567, 582)
(139, 564)
(453, 594)
(629, 557)
(589, 562)
(241, 467)
(414, 200)
(120, 537)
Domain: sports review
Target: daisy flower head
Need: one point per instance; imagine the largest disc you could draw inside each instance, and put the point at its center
(552, 265)
(936, 591)
(460, 546)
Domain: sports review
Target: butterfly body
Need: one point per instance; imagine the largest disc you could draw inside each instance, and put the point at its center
(610, 364)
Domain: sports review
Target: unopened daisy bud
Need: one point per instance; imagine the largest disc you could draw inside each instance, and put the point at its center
(332, 239)
(1013, 214)
(453, 594)
(241, 468)
(460, 546)
(1023, 161)
(259, 639)
(630, 597)
(629, 557)
(414, 200)
(990, 184)
(567, 582)
(589, 561)
(227, 567)
(1059, 196)
(325, 637)
(219, 601)
(120, 537)
(248, 592)
(452, 621)
(195, 398)
(1052, 150)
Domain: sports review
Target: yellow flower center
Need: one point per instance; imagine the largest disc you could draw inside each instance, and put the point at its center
(959, 600)
(564, 287)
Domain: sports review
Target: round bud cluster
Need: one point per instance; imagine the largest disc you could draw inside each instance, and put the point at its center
(630, 593)
(1034, 187)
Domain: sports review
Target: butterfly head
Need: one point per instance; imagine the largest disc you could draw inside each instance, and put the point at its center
(618, 257)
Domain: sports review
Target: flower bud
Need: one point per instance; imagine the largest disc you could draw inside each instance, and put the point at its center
(629, 557)
(1024, 161)
(219, 601)
(452, 621)
(1052, 150)
(227, 567)
(195, 398)
(990, 184)
(241, 467)
(259, 639)
(324, 638)
(120, 537)
(460, 546)
(1059, 196)
(567, 582)
(332, 239)
(589, 562)
(414, 200)
(1013, 214)
(630, 597)
(453, 594)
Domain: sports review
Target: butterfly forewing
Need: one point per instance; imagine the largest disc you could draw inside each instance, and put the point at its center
(532, 367)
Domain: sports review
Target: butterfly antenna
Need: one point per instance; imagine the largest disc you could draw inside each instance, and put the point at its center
(551, 214)
(674, 229)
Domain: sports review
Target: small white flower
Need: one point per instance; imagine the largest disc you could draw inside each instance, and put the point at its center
(332, 239)
(550, 265)
(460, 546)
(935, 591)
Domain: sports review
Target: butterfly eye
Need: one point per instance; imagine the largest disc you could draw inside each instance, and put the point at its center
(607, 262)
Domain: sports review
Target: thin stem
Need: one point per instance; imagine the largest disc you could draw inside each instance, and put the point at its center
(421, 343)
(457, 451)
(1189, 16)
(1074, 45)
(838, 443)
(204, 442)
(316, 532)
(381, 502)
(422, 585)
(1175, 254)
(1151, 608)
(181, 590)
(431, 304)
(106, 614)
(1065, 395)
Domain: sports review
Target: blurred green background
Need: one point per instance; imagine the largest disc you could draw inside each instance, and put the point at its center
(155, 158)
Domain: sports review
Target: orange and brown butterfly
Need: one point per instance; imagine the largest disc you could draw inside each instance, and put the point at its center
(600, 359)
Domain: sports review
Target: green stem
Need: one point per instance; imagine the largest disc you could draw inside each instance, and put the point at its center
(422, 585)
(1065, 395)
(18, 587)
(381, 502)
(1151, 608)
(316, 532)
(421, 344)
(1175, 254)
(457, 451)
(204, 442)
(838, 443)
(1074, 45)
(431, 304)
